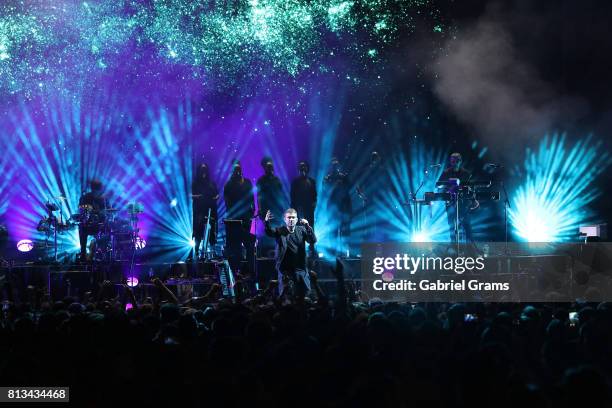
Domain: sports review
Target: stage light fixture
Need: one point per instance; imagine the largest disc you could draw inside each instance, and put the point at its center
(25, 245)
(420, 236)
(140, 243)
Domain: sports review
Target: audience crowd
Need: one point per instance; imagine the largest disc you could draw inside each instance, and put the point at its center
(331, 350)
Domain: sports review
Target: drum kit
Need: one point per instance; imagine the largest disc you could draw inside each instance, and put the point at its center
(52, 225)
(115, 237)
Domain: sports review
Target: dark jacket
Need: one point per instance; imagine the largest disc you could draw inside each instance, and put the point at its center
(339, 190)
(303, 194)
(270, 196)
(206, 190)
(97, 202)
(239, 199)
(304, 233)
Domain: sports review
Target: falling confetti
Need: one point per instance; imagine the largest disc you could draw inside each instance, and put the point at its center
(73, 46)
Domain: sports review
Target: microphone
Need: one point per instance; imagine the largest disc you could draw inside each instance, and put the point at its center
(493, 165)
(431, 166)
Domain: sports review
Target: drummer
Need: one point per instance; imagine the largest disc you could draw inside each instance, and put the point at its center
(94, 203)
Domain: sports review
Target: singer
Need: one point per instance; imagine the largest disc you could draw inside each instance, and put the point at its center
(291, 241)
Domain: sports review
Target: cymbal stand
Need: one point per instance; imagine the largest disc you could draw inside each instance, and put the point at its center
(135, 240)
(54, 237)
(52, 224)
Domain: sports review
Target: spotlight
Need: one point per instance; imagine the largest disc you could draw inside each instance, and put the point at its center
(132, 281)
(552, 202)
(407, 171)
(25, 245)
(140, 243)
(539, 223)
(420, 236)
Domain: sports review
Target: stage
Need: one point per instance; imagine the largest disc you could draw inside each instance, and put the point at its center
(554, 275)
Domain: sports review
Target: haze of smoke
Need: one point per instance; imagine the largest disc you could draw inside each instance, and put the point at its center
(483, 80)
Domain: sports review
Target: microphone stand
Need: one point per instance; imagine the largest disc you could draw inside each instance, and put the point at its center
(506, 206)
(206, 233)
(456, 237)
(413, 198)
(420, 185)
(364, 200)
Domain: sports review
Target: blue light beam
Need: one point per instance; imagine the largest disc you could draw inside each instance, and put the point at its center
(553, 200)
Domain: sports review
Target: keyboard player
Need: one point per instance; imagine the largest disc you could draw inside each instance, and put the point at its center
(451, 180)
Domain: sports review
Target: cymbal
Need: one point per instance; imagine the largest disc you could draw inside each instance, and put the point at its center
(135, 208)
(111, 209)
(195, 195)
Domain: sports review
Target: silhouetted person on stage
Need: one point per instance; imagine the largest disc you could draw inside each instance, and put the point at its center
(455, 176)
(369, 190)
(240, 203)
(340, 206)
(291, 241)
(238, 196)
(270, 195)
(94, 203)
(304, 195)
(205, 195)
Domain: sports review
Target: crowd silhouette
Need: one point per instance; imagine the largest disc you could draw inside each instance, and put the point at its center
(335, 350)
